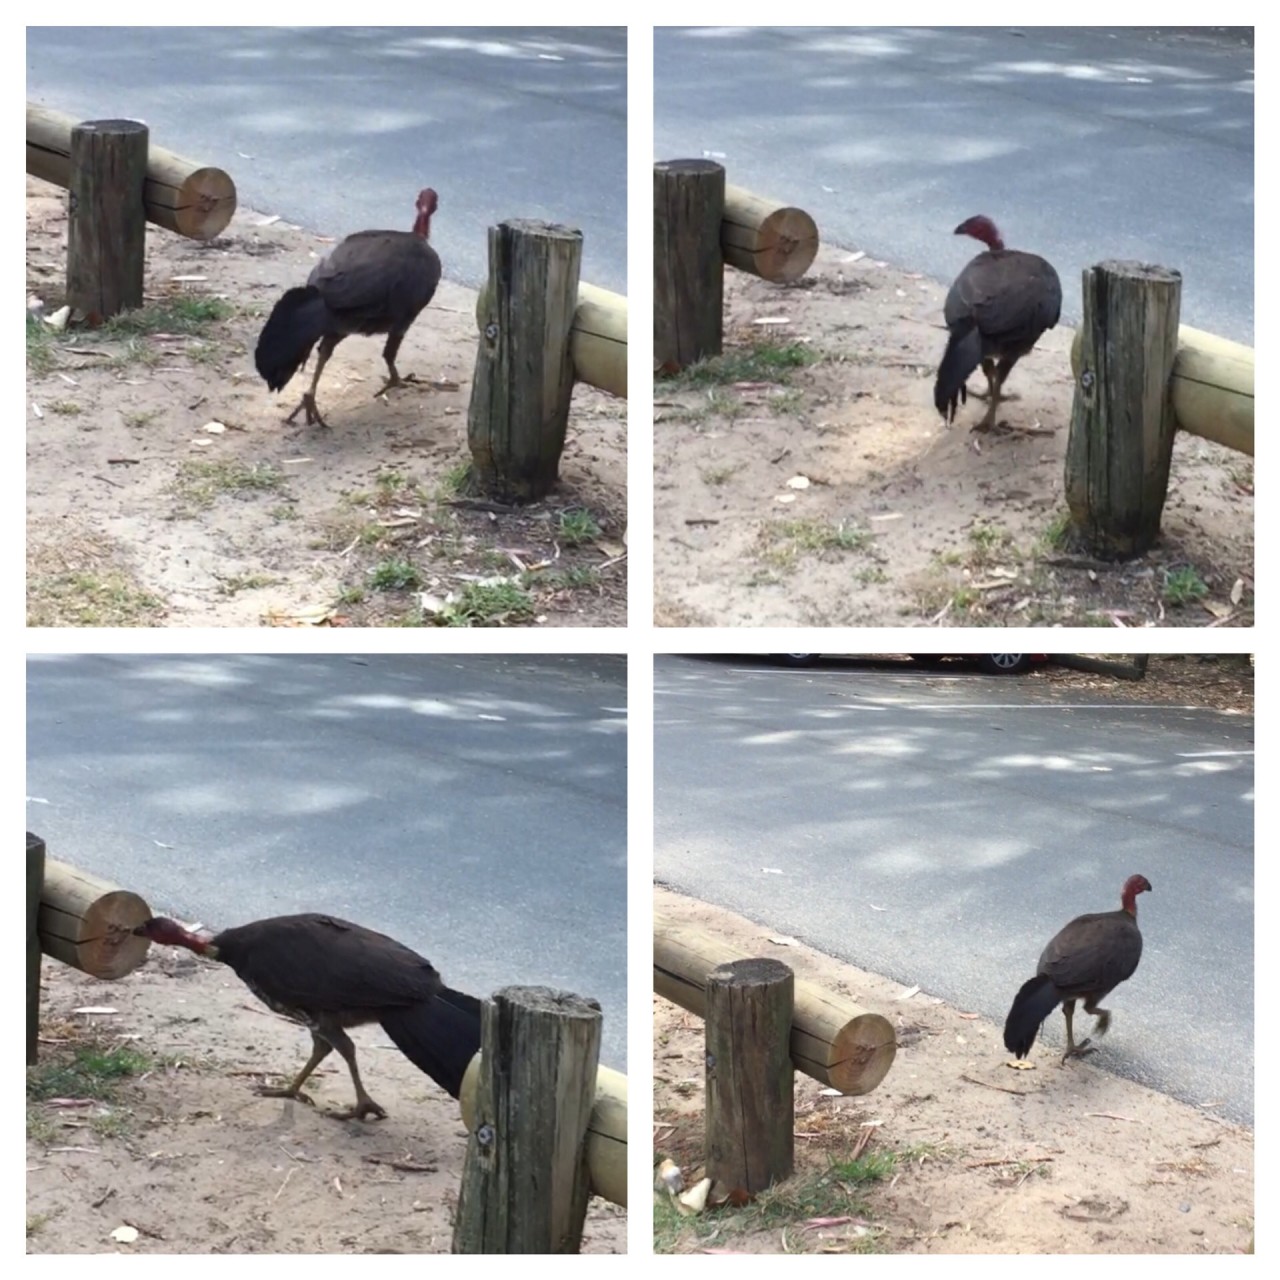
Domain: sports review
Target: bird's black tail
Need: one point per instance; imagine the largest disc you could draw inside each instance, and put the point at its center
(1037, 998)
(439, 1037)
(295, 325)
(962, 356)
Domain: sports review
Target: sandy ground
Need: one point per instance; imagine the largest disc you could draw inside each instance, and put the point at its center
(1055, 1160)
(936, 526)
(140, 513)
(196, 1162)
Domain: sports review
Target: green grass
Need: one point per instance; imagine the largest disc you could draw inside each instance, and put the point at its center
(1183, 586)
(783, 541)
(40, 347)
(90, 1072)
(1057, 533)
(183, 314)
(831, 1193)
(576, 526)
(200, 483)
(489, 604)
(395, 574)
(758, 362)
(66, 408)
(89, 599)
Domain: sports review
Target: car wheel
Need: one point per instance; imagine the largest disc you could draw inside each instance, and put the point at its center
(1004, 664)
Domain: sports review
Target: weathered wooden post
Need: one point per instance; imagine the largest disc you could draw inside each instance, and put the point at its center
(764, 238)
(107, 225)
(1122, 416)
(35, 882)
(519, 410)
(524, 1183)
(688, 262)
(181, 195)
(750, 1079)
(88, 923)
(833, 1040)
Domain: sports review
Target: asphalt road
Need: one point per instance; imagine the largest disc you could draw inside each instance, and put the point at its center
(337, 128)
(940, 829)
(1082, 144)
(472, 807)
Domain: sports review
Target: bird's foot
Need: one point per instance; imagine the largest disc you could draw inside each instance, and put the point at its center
(397, 381)
(308, 402)
(364, 1107)
(1103, 1023)
(267, 1091)
(1081, 1050)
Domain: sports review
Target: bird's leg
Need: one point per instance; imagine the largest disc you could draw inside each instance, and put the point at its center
(1073, 1050)
(308, 401)
(989, 368)
(996, 374)
(393, 376)
(365, 1105)
(320, 1050)
(1103, 1016)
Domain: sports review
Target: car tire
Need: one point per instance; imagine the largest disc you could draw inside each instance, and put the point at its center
(1004, 664)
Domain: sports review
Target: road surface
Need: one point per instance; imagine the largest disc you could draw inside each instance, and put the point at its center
(472, 807)
(1082, 144)
(337, 128)
(939, 829)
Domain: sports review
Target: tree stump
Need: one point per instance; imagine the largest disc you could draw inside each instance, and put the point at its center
(519, 409)
(524, 1184)
(1122, 417)
(35, 882)
(750, 1080)
(107, 224)
(688, 262)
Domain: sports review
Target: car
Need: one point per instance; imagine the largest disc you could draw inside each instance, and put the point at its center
(992, 664)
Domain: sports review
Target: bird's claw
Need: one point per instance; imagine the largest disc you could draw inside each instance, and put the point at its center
(1081, 1050)
(267, 1091)
(366, 1108)
(313, 413)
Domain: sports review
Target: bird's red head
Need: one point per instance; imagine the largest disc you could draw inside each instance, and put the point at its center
(428, 203)
(1133, 886)
(980, 227)
(171, 934)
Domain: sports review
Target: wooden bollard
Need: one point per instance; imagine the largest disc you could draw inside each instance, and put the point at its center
(688, 262)
(107, 227)
(524, 1182)
(35, 884)
(774, 241)
(832, 1039)
(519, 411)
(181, 195)
(1212, 387)
(750, 1079)
(606, 1144)
(88, 923)
(1122, 419)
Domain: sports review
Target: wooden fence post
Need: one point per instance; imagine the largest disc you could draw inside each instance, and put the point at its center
(750, 1079)
(688, 262)
(524, 1183)
(35, 882)
(519, 410)
(107, 225)
(1122, 418)
(88, 923)
(833, 1040)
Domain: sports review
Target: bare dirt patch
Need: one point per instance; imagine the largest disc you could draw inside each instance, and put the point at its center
(191, 1158)
(831, 494)
(965, 1155)
(142, 513)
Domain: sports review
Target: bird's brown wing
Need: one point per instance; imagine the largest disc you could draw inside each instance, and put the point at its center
(377, 281)
(324, 964)
(1092, 954)
(1013, 296)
